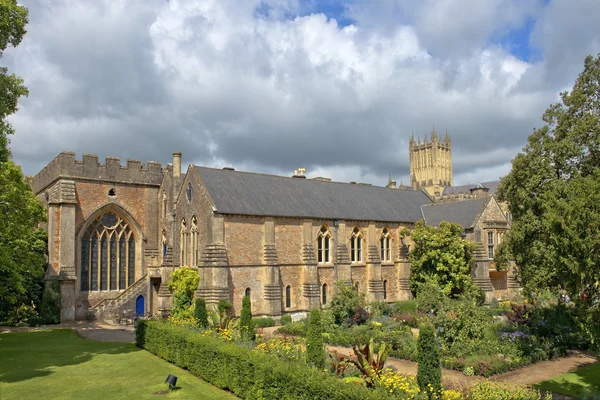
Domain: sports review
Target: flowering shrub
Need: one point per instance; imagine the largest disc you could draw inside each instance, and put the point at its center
(228, 335)
(397, 384)
(285, 348)
(486, 390)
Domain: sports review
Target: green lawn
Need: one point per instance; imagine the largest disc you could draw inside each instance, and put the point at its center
(584, 381)
(58, 364)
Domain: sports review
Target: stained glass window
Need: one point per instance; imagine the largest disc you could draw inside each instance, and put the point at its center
(107, 254)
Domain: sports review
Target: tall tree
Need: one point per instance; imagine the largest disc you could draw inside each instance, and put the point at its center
(13, 19)
(440, 257)
(22, 250)
(553, 191)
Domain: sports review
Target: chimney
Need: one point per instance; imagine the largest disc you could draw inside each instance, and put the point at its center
(176, 165)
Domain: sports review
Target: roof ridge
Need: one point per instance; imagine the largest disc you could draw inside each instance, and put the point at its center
(357, 184)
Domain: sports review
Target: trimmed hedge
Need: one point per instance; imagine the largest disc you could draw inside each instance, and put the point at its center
(246, 373)
(263, 322)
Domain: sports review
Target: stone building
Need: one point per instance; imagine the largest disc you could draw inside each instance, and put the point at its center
(116, 233)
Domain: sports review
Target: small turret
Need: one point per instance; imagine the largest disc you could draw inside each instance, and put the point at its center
(434, 137)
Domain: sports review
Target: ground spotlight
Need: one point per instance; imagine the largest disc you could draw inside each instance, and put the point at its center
(171, 380)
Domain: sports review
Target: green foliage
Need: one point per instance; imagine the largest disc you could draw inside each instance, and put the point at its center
(246, 324)
(486, 390)
(200, 313)
(405, 306)
(553, 192)
(183, 284)
(440, 256)
(13, 19)
(429, 371)
(50, 306)
(247, 374)
(264, 322)
(345, 303)
(430, 297)
(297, 328)
(286, 319)
(315, 348)
(225, 308)
(370, 363)
(380, 309)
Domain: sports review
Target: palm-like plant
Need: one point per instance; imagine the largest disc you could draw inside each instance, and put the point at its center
(369, 363)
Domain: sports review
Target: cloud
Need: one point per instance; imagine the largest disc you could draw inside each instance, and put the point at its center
(273, 86)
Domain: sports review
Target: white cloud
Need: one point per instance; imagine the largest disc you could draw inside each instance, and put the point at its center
(230, 86)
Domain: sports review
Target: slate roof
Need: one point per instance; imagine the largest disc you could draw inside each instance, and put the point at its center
(463, 212)
(466, 189)
(246, 193)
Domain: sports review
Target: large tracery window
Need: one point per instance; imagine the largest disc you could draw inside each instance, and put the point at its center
(107, 254)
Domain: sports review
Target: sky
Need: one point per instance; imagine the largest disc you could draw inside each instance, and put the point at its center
(334, 86)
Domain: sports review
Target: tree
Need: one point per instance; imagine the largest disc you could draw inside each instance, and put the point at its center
(246, 324)
(346, 303)
(429, 368)
(183, 284)
(200, 313)
(315, 347)
(553, 192)
(13, 19)
(440, 257)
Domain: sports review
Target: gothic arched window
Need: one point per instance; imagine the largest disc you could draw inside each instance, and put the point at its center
(188, 192)
(386, 249)
(356, 245)
(194, 241)
(183, 244)
(247, 292)
(385, 287)
(323, 245)
(324, 293)
(107, 254)
(288, 296)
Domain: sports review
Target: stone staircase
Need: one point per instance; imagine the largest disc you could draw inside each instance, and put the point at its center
(121, 309)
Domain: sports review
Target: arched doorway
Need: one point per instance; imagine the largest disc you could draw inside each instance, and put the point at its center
(139, 306)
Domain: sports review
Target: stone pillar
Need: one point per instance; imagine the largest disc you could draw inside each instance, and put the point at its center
(342, 260)
(375, 284)
(310, 276)
(61, 244)
(480, 271)
(271, 273)
(214, 266)
(403, 267)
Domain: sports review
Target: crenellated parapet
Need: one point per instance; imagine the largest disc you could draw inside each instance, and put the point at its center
(66, 166)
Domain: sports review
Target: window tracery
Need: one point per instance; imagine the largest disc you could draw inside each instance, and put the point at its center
(385, 245)
(107, 254)
(324, 245)
(356, 245)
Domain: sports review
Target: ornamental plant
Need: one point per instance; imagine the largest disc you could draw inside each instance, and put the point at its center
(429, 371)
(315, 348)
(246, 324)
(200, 313)
(369, 363)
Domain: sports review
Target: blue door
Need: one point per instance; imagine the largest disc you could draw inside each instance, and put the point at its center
(139, 306)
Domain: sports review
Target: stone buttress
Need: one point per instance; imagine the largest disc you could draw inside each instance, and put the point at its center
(310, 277)
(214, 265)
(271, 273)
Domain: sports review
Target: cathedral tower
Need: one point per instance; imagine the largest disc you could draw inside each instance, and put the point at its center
(431, 164)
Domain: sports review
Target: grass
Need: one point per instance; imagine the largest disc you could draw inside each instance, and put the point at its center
(58, 364)
(584, 381)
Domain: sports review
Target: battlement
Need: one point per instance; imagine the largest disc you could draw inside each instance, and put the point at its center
(66, 166)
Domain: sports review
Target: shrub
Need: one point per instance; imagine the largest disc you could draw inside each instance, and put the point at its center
(286, 319)
(430, 297)
(200, 313)
(246, 373)
(225, 308)
(429, 371)
(345, 302)
(183, 284)
(486, 390)
(295, 328)
(406, 318)
(263, 322)
(284, 348)
(50, 307)
(315, 348)
(405, 306)
(380, 309)
(246, 325)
